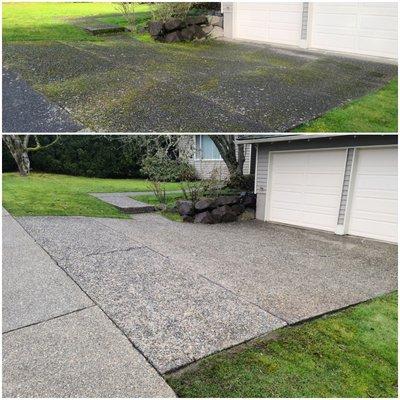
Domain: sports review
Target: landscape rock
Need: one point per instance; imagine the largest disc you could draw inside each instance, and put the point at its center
(249, 200)
(237, 208)
(227, 200)
(156, 28)
(173, 37)
(247, 215)
(185, 207)
(207, 29)
(198, 20)
(204, 218)
(215, 20)
(173, 25)
(188, 33)
(217, 32)
(188, 218)
(224, 214)
(204, 204)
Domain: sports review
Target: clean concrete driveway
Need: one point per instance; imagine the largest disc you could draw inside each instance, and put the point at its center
(120, 84)
(183, 291)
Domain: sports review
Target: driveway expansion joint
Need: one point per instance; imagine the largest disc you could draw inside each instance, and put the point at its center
(49, 319)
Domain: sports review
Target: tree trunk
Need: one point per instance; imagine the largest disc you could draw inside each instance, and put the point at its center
(227, 148)
(19, 152)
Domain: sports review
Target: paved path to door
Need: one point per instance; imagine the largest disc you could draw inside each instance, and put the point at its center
(56, 341)
(183, 291)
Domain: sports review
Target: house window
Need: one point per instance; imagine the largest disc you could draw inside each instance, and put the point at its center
(206, 149)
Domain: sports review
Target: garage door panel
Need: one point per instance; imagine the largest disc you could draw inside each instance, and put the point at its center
(269, 22)
(375, 229)
(360, 28)
(373, 204)
(306, 188)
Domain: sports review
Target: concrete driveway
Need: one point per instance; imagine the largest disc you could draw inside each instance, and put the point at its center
(120, 84)
(182, 291)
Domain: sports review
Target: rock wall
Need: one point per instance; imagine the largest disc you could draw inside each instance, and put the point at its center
(193, 28)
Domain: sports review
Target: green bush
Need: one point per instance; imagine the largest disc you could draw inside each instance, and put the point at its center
(165, 169)
(85, 155)
(244, 183)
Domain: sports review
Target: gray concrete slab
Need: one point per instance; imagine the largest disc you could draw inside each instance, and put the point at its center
(125, 203)
(293, 273)
(173, 316)
(78, 355)
(34, 287)
(74, 237)
(25, 110)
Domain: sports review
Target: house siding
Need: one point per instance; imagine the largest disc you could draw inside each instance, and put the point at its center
(262, 169)
(247, 159)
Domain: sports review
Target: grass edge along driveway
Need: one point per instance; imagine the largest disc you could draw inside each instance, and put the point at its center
(374, 112)
(352, 353)
(63, 195)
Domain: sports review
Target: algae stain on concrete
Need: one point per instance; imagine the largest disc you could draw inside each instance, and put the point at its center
(209, 85)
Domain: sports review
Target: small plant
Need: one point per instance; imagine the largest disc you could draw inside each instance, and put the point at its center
(165, 11)
(161, 167)
(128, 11)
(194, 190)
(159, 191)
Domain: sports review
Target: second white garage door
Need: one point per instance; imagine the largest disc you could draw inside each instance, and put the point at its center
(359, 28)
(305, 188)
(373, 207)
(269, 22)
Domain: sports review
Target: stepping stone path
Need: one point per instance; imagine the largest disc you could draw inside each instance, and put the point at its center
(100, 30)
(125, 203)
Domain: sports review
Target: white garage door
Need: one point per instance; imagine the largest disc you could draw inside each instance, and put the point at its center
(269, 22)
(305, 188)
(361, 28)
(373, 208)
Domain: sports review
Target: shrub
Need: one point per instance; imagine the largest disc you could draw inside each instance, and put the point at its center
(85, 155)
(165, 11)
(244, 182)
(165, 169)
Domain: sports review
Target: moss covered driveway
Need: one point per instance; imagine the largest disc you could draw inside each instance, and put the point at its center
(123, 84)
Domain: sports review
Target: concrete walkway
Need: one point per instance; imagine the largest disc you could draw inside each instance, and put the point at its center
(57, 342)
(25, 110)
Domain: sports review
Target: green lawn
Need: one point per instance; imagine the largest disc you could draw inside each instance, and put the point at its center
(376, 112)
(349, 354)
(48, 21)
(50, 194)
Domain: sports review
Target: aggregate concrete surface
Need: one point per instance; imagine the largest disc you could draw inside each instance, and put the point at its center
(120, 84)
(182, 291)
(26, 110)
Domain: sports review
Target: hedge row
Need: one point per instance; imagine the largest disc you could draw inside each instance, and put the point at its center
(84, 155)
